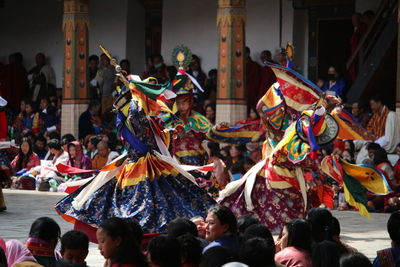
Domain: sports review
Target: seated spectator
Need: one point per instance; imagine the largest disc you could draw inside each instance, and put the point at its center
(104, 156)
(91, 148)
(327, 254)
(40, 147)
(360, 114)
(190, 250)
(25, 160)
(164, 251)
(221, 228)
(252, 123)
(295, 244)
(42, 241)
(390, 256)
(382, 163)
(17, 253)
(257, 252)
(355, 260)
(46, 175)
(89, 122)
(348, 155)
(200, 225)
(181, 226)
(75, 247)
(76, 158)
(29, 121)
(210, 112)
(51, 122)
(217, 256)
(321, 224)
(117, 245)
(334, 85)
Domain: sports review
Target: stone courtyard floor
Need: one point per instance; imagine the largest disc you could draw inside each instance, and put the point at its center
(367, 235)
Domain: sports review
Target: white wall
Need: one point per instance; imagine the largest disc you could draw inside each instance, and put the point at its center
(194, 25)
(135, 48)
(30, 27)
(191, 23)
(300, 39)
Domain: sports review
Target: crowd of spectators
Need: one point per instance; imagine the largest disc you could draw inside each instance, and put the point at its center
(220, 239)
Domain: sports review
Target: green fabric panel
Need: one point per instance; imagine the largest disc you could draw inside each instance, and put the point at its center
(356, 189)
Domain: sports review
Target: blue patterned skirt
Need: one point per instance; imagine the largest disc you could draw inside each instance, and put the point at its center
(153, 203)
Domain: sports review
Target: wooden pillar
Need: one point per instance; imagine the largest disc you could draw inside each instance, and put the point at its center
(75, 87)
(398, 65)
(231, 96)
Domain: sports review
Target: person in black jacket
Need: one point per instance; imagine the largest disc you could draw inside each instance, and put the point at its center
(89, 121)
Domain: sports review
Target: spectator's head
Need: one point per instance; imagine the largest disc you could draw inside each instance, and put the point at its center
(355, 260)
(75, 246)
(372, 147)
(393, 227)
(46, 229)
(282, 59)
(44, 103)
(349, 145)
(93, 62)
(348, 155)
(195, 63)
(357, 109)
(320, 82)
(327, 254)
(94, 107)
(125, 66)
(93, 142)
(40, 142)
(54, 135)
(22, 105)
(217, 256)
(332, 73)
(244, 221)
(253, 114)
(29, 107)
(266, 56)
(181, 226)
(368, 17)
(297, 233)
(136, 230)
(200, 225)
(321, 222)
(55, 147)
(210, 112)
(157, 60)
(164, 251)
(356, 19)
(191, 250)
(380, 156)
(102, 148)
(213, 74)
(116, 243)
(220, 221)
(376, 104)
(25, 151)
(66, 139)
(257, 252)
(40, 59)
(259, 231)
(104, 60)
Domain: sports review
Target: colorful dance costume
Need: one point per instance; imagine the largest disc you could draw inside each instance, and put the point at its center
(146, 184)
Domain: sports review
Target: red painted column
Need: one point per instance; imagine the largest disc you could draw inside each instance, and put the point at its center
(231, 96)
(75, 85)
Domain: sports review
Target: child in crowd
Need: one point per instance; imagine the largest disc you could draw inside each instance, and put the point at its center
(117, 244)
(75, 247)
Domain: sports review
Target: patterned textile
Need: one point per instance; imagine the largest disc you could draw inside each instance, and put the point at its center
(27, 164)
(377, 123)
(39, 247)
(153, 202)
(389, 257)
(147, 188)
(273, 207)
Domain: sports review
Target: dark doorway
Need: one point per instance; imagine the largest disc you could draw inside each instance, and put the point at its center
(333, 45)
